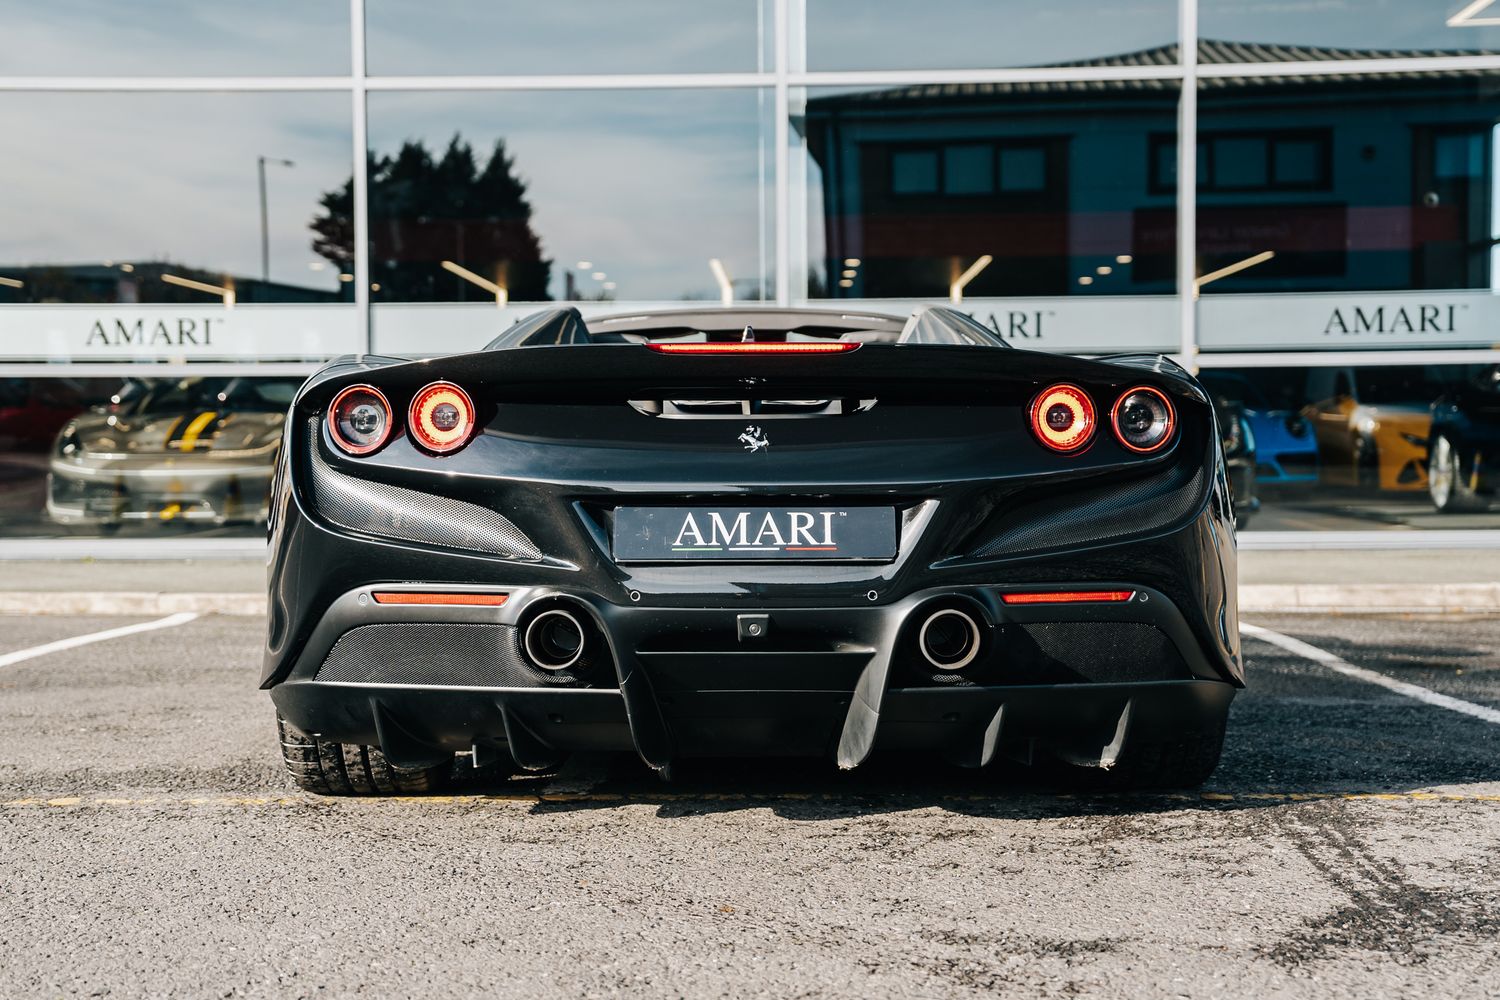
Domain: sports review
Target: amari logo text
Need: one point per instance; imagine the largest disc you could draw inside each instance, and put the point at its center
(775, 531)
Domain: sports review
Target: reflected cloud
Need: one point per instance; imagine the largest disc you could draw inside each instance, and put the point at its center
(175, 38)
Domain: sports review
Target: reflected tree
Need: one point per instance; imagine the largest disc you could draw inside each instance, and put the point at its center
(425, 210)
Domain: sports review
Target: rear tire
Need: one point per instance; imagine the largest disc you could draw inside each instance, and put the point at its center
(326, 768)
(1445, 481)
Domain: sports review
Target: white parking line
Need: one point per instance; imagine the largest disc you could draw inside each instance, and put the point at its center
(171, 621)
(1327, 659)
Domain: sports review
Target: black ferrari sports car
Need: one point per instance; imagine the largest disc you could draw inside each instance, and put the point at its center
(750, 532)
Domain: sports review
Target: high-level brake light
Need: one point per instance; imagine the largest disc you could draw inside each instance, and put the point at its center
(800, 347)
(1062, 417)
(1069, 597)
(442, 417)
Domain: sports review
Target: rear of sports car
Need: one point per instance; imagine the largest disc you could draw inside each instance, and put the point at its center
(819, 535)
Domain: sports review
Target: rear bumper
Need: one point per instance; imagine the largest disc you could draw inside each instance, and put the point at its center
(423, 681)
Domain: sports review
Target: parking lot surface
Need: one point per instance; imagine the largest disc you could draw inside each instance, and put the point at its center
(1349, 845)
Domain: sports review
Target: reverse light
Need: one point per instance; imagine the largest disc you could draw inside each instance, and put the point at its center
(1143, 419)
(799, 347)
(1062, 418)
(1069, 597)
(442, 417)
(359, 419)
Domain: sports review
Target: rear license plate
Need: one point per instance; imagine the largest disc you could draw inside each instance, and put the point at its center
(657, 534)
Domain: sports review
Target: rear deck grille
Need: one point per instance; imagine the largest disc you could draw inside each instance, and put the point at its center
(443, 654)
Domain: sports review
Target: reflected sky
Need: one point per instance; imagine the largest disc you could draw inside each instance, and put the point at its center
(174, 38)
(943, 34)
(507, 37)
(133, 177)
(519, 37)
(644, 185)
(1349, 24)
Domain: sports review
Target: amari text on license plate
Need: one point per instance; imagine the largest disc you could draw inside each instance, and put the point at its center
(657, 534)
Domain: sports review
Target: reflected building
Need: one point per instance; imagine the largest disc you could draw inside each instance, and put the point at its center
(1342, 182)
(151, 282)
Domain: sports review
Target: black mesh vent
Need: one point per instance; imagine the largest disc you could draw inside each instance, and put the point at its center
(1064, 653)
(397, 512)
(463, 655)
(1065, 520)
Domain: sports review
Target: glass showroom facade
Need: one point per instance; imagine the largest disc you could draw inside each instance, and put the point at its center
(203, 200)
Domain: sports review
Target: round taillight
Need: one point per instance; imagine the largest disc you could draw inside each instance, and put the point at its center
(359, 419)
(442, 417)
(1143, 419)
(1062, 418)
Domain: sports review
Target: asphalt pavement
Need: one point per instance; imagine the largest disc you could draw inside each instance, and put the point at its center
(1348, 845)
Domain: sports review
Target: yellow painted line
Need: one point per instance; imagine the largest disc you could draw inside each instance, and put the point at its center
(190, 436)
(653, 798)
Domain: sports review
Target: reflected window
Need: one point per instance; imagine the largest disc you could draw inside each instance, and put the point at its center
(1023, 169)
(176, 38)
(976, 34)
(914, 171)
(969, 169)
(567, 36)
(1034, 190)
(1297, 162)
(1249, 161)
(183, 198)
(575, 196)
(1239, 162)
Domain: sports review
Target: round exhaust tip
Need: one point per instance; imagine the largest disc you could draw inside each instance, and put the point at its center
(949, 639)
(555, 639)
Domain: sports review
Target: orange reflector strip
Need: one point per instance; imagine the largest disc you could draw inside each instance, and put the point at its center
(1068, 597)
(461, 600)
(832, 347)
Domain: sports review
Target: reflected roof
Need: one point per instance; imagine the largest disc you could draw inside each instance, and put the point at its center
(1211, 52)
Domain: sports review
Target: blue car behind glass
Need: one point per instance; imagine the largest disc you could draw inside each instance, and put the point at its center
(1286, 453)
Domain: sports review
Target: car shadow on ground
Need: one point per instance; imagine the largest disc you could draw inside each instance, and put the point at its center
(814, 789)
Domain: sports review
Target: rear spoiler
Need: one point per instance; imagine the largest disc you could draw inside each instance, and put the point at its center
(931, 325)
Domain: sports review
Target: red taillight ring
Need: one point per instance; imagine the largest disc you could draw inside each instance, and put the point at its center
(333, 424)
(1078, 432)
(1114, 419)
(425, 429)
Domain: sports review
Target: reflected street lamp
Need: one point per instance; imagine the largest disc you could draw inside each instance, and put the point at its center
(265, 237)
